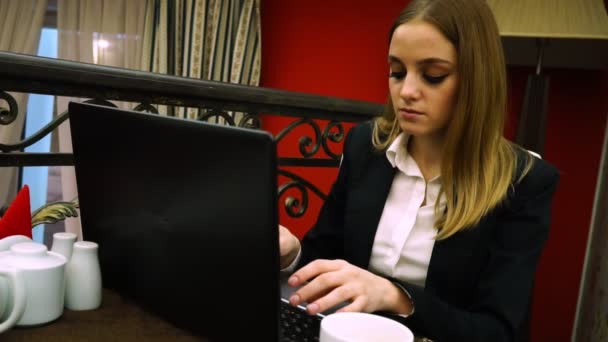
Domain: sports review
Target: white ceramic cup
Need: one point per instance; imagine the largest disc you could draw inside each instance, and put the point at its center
(362, 327)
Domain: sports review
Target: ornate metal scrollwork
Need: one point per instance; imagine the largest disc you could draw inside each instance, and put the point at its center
(297, 207)
(334, 137)
(146, 107)
(250, 121)
(34, 138)
(293, 206)
(247, 120)
(100, 102)
(309, 147)
(7, 116)
(218, 114)
(305, 141)
(41, 133)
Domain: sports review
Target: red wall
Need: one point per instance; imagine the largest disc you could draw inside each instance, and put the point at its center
(338, 48)
(577, 113)
(331, 48)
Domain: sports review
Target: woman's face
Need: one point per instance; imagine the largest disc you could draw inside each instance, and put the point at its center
(423, 81)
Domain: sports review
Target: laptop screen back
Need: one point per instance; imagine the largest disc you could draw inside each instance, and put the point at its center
(185, 215)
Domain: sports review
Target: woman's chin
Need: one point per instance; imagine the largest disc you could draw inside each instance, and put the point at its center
(411, 128)
(420, 129)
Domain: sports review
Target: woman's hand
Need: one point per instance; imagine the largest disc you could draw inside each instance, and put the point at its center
(289, 246)
(326, 283)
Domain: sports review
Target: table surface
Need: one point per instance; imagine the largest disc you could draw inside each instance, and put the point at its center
(117, 319)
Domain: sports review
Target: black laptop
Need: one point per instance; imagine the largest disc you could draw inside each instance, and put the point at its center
(185, 215)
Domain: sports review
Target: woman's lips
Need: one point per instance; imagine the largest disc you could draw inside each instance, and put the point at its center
(407, 113)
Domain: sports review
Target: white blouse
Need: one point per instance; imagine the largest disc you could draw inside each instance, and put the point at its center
(405, 237)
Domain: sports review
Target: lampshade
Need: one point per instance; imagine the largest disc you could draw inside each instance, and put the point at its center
(574, 33)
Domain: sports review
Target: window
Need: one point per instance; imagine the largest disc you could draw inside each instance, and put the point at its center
(39, 114)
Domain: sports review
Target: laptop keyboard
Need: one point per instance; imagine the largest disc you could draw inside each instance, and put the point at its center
(297, 325)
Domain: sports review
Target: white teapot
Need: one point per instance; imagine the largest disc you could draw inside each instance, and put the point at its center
(32, 283)
(7, 242)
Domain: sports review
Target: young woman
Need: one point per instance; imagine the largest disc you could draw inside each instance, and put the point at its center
(435, 217)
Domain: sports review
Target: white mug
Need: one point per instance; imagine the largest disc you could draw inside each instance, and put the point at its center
(362, 327)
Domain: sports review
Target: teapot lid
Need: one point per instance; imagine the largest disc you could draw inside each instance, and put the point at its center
(30, 256)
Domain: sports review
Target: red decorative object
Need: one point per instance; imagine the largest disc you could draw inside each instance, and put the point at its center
(17, 220)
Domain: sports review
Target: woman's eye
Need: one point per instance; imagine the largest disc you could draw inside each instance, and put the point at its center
(434, 79)
(397, 74)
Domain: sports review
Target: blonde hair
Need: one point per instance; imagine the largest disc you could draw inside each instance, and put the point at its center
(478, 164)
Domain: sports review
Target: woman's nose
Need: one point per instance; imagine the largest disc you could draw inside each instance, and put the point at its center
(410, 89)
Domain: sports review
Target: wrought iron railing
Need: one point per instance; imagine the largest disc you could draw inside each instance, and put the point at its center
(213, 101)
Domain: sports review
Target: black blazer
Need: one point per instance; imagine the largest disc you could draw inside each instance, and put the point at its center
(479, 281)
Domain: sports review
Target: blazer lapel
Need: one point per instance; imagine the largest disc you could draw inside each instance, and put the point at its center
(370, 195)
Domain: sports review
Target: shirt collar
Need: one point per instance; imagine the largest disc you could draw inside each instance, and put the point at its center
(400, 158)
(396, 147)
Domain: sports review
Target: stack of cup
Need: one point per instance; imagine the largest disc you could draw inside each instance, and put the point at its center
(83, 274)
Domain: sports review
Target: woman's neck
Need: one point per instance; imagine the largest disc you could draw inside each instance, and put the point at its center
(426, 151)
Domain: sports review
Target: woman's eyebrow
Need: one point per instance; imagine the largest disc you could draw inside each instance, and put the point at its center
(434, 60)
(424, 62)
(393, 59)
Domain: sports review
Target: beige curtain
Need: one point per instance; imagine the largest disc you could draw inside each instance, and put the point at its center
(217, 40)
(108, 32)
(20, 27)
(208, 39)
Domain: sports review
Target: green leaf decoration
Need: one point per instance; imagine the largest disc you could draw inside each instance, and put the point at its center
(55, 211)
